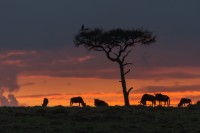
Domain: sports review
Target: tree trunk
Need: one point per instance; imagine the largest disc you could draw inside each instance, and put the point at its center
(123, 81)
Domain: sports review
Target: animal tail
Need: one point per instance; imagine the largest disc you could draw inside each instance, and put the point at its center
(169, 102)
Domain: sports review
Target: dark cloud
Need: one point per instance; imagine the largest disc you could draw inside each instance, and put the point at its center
(8, 101)
(57, 94)
(28, 84)
(37, 39)
(49, 24)
(145, 75)
(8, 78)
(12, 100)
(67, 63)
(39, 96)
(176, 88)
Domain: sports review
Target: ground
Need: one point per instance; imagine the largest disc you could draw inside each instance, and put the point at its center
(134, 119)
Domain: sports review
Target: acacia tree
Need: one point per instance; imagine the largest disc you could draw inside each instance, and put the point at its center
(117, 45)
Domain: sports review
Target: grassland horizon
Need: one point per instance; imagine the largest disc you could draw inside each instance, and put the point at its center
(100, 119)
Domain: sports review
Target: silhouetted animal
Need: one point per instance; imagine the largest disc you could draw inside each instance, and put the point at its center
(77, 100)
(163, 98)
(147, 97)
(83, 28)
(184, 101)
(198, 102)
(98, 102)
(45, 102)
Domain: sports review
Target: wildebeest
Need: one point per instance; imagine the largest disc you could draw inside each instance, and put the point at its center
(184, 101)
(77, 100)
(98, 102)
(147, 97)
(45, 102)
(163, 98)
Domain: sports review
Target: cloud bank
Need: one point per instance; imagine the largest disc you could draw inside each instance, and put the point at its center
(175, 88)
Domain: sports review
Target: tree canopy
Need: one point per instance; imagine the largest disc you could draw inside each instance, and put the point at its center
(116, 44)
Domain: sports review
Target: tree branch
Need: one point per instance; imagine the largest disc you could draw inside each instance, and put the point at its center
(129, 90)
(115, 54)
(126, 55)
(127, 64)
(108, 54)
(127, 72)
(119, 52)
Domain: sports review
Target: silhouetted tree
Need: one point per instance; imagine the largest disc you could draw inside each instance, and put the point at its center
(116, 44)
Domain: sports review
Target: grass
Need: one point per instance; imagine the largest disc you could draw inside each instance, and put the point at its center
(117, 119)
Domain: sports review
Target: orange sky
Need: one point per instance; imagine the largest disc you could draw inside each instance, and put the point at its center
(38, 57)
(32, 75)
(60, 90)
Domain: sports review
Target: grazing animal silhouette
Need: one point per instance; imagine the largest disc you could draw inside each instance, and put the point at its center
(45, 102)
(98, 102)
(184, 101)
(77, 100)
(147, 97)
(163, 98)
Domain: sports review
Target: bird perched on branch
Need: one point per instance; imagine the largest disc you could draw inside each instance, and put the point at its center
(83, 28)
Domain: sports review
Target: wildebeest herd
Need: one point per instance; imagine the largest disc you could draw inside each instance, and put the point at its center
(162, 98)
(79, 100)
(146, 97)
(158, 97)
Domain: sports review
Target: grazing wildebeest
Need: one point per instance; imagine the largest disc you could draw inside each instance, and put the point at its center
(98, 102)
(147, 97)
(184, 101)
(77, 100)
(45, 102)
(163, 98)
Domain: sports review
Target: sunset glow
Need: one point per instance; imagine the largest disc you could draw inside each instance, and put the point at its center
(39, 58)
(59, 90)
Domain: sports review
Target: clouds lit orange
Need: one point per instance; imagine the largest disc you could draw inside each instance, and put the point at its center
(38, 56)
